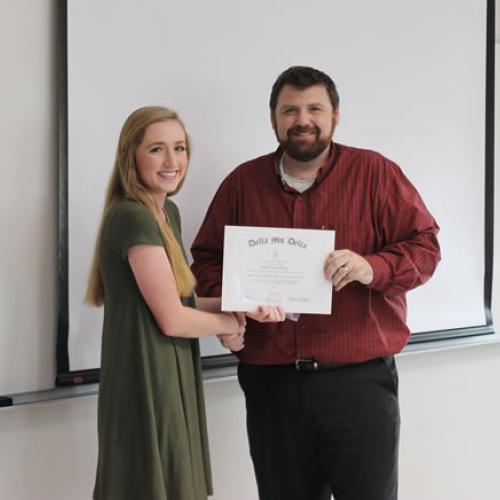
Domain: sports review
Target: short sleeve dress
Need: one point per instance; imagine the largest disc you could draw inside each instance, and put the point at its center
(151, 416)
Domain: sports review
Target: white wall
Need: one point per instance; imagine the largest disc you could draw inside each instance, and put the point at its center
(450, 436)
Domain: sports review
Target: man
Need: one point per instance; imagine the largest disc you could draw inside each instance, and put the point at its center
(321, 391)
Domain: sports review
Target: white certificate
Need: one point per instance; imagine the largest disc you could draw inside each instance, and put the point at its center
(276, 266)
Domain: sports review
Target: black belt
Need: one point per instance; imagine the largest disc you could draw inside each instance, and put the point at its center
(311, 365)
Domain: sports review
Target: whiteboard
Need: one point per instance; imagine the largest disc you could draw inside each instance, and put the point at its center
(411, 79)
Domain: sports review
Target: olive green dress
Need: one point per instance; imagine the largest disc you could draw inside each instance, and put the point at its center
(151, 415)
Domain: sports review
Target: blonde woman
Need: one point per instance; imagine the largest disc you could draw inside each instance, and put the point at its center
(151, 416)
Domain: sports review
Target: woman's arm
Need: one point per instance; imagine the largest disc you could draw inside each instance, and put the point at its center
(156, 282)
(233, 342)
(263, 314)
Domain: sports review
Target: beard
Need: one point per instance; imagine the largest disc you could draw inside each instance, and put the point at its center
(305, 149)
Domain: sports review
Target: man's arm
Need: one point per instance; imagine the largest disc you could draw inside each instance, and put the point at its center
(410, 252)
(208, 246)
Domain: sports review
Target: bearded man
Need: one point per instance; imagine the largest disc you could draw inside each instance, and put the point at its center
(322, 390)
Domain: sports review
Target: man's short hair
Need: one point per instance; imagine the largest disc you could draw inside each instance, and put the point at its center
(303, 77)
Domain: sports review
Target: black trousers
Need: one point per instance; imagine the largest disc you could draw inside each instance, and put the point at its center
(314, 434)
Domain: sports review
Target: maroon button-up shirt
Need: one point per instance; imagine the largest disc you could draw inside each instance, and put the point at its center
(375, 211)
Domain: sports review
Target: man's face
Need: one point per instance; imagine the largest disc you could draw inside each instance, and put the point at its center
(304, 121)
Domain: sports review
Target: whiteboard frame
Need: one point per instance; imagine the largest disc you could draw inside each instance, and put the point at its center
(65, 376)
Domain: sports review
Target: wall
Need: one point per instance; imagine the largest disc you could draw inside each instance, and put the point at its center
(450, 435)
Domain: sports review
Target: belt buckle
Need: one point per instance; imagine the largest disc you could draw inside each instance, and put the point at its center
(306, 365)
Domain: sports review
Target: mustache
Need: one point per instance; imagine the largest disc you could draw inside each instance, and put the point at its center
(300, 129)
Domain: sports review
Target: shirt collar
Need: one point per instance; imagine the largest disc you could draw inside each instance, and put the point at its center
(322, 172)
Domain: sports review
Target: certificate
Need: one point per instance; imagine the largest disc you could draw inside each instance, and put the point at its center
(276, 266)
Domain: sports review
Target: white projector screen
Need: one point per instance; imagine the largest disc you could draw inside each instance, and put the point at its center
(411, 78)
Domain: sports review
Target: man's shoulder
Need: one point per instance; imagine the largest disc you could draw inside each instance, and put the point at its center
(369, 155)
(259, 162)
(364, 158)
(259, 166)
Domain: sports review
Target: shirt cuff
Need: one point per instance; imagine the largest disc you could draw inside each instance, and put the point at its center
(381, 271)
(213, 291)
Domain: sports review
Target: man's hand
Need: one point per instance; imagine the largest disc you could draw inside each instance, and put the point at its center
(267, 314)
(344, 266)
(233, 341)
(263, 314)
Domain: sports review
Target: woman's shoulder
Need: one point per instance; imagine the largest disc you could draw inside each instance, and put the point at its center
(128, 215)
(128, 223)
(127, 210)
(173, 211)
(126, 207)
(171, 207)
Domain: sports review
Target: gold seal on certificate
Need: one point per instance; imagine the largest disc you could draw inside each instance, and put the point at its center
(276, 266)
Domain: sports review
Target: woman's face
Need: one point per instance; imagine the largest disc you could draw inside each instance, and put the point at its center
(161, 157)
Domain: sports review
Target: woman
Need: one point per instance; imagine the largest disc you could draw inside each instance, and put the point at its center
(151, 416)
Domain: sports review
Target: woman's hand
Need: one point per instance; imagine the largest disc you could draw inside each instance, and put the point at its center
(235, 341)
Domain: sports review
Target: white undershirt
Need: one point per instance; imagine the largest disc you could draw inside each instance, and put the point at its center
(299, 185)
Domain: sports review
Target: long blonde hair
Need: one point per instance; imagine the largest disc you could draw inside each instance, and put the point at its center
(125, 184)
